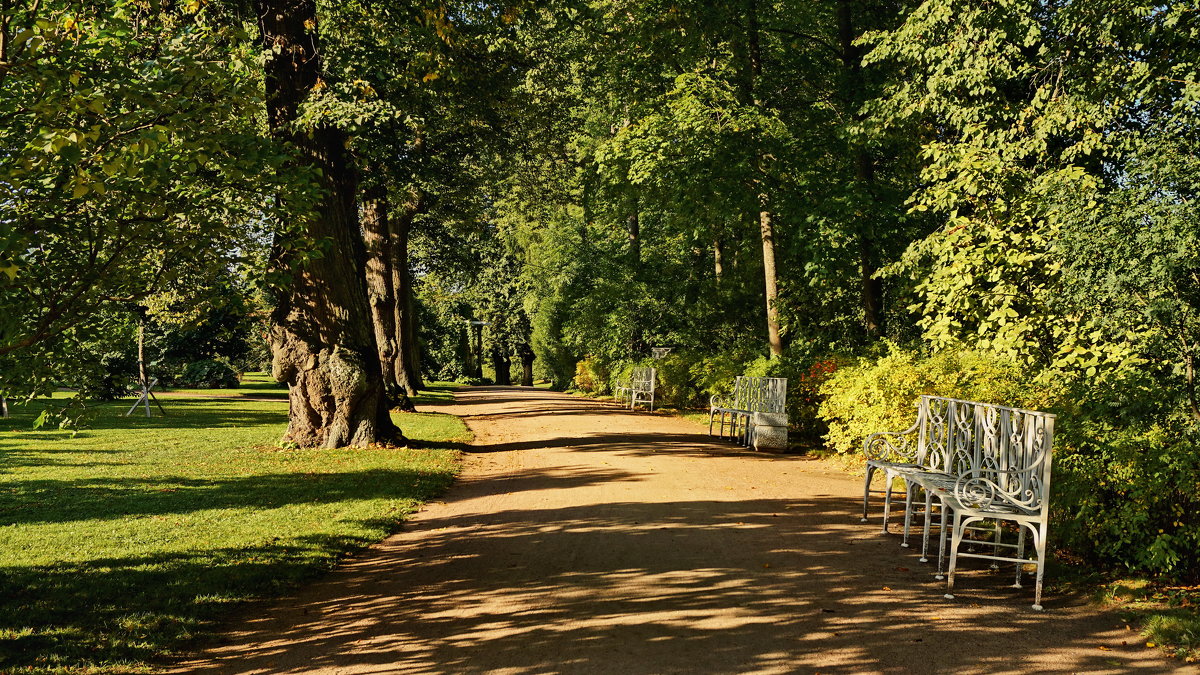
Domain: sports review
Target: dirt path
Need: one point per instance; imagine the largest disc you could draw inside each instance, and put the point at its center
(585, 539)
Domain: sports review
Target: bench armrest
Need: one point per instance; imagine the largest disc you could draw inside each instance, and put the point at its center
(892, 446)
(990, 488)
(717, 401)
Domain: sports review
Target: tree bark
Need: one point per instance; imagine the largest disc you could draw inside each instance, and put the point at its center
(407, 367)
(377, 237)
(864, 174)
(322, 340)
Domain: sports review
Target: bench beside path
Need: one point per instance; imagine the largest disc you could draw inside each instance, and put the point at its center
(584, 538)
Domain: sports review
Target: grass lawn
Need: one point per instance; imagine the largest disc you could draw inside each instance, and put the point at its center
(121, 543)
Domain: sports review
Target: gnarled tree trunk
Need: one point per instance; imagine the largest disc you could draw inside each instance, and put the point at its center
(322, 340)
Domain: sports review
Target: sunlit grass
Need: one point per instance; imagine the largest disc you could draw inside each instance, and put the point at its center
(123, 541)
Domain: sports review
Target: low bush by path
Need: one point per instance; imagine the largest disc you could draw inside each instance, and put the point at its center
(121, 543)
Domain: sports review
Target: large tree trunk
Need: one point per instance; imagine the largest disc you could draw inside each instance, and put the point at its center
(322, 340)
(381, 293)
(864, 174)
(407, 367)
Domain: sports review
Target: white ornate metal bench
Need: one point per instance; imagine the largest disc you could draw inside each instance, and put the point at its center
(639, 388)
(984, 464)
(756, 412)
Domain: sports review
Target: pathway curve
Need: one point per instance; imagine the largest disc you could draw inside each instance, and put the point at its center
(584, 538)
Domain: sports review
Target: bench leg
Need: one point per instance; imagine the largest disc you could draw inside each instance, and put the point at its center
(925, 527)
(996, 547)
(1040, 546)
(958, 532)
(1020, 554)
(942, 545)
(908, 504)
(887, 499)
(867, 490)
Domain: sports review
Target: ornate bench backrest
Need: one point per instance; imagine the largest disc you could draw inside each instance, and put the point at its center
(760, 394)
(1004, 451)
(642, 379)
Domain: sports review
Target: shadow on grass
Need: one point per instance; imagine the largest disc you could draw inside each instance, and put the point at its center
(181, 414)
(135, 609)
(57, 501)
(108, 611)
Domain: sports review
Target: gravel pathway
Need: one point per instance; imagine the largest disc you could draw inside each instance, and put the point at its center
(583, 538)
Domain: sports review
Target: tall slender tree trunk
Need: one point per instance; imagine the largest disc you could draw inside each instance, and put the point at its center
(864, 174)
(407, 367)
(633, 222)
(766, 226)
(718, 260)
(767, 232)
(377, 236)
(322, 340)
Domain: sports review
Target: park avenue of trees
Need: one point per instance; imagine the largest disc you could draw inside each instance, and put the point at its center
(874, 199)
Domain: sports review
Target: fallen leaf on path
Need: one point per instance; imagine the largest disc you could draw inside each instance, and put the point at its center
(1104, 648)
(887, 588)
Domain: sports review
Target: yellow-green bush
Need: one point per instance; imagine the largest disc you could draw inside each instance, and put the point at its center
(881, 394)
(592, 376)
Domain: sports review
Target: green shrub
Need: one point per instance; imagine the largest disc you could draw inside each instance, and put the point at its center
(714, 374)
(207, 374)
(1126, 490)
(676, 385)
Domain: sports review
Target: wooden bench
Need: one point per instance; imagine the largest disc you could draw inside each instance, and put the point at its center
(639, 388)
(755, 412)
(984, 464)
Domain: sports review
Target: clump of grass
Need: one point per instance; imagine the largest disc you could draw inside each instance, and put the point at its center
(124, 542)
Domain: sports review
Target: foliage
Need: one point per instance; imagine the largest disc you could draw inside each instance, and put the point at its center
(108, 566)
(1126, 480)
(805, 378)
(132, 158)
(208, 374)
